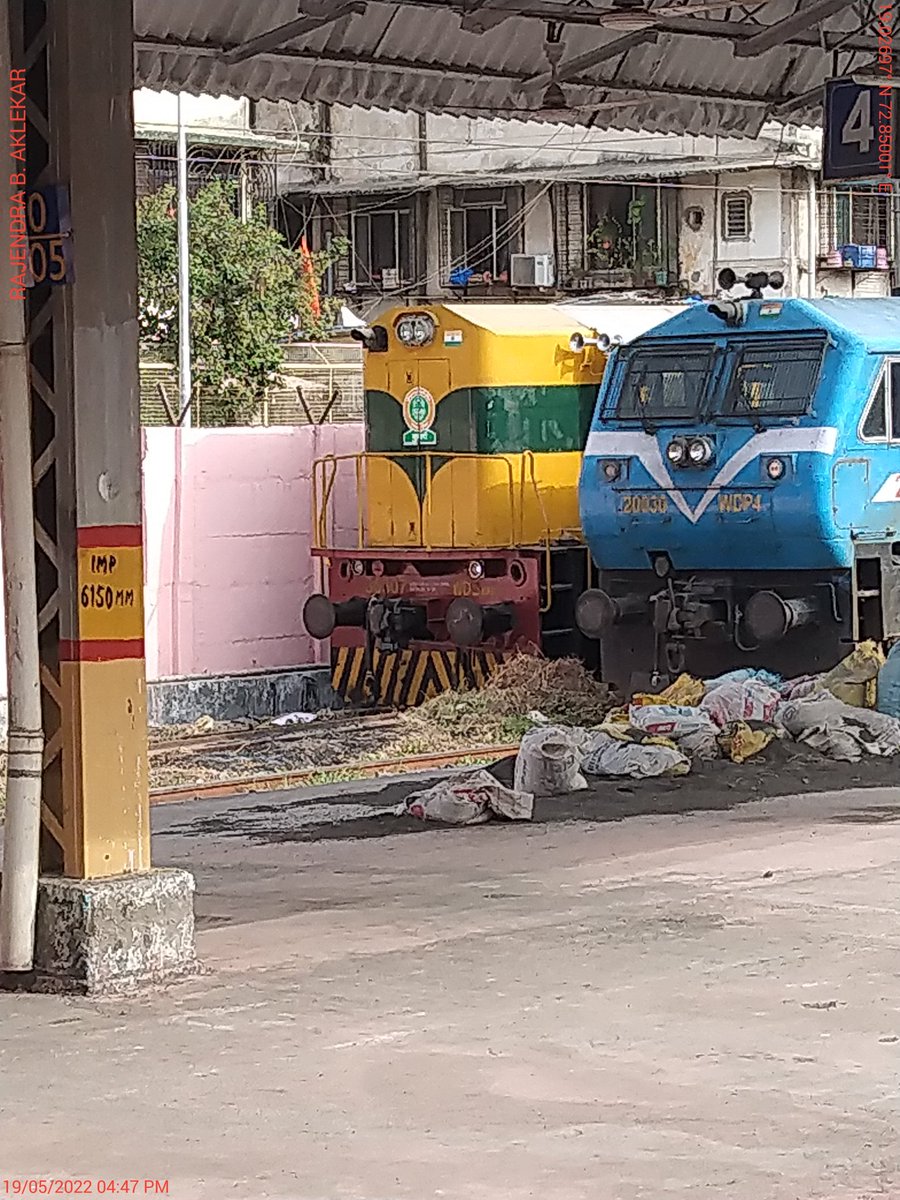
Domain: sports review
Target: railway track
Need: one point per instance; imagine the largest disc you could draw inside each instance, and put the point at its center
(238, 738)
(289, 779)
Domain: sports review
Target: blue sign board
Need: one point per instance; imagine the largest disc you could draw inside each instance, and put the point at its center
(49, 224)
(859, 131)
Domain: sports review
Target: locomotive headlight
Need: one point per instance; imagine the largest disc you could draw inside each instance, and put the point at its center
(476, 570)
(612, 471)
(700, 452)
(775, 468)
(358, 567)
(676, 452)
(416, 330)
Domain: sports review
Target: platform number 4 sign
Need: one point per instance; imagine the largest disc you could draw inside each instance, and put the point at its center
(858, 128)
(859, 122)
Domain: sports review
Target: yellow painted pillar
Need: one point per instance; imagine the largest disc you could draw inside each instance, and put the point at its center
(83, 336)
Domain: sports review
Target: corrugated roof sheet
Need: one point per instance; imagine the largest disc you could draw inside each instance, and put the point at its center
(415, 54)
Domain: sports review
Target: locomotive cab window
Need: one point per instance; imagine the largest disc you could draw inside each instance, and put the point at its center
(775, 379)
(659, 384)
(881, 419)
(874, 426)
(895, 401)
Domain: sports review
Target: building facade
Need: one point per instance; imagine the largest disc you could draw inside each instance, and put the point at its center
(436, 206)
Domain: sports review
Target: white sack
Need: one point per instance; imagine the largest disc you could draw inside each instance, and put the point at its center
(469, 799)
(548, 762)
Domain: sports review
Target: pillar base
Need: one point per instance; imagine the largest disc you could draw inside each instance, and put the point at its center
(98, 937)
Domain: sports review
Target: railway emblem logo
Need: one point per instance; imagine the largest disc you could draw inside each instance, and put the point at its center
(419, 410)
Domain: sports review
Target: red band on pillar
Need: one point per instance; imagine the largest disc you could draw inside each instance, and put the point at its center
(100, 651)
(91, 536)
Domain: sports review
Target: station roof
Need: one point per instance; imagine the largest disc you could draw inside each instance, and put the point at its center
(667, 66)
(624, 321)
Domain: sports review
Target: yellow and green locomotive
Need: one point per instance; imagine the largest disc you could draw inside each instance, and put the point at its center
(453, 539)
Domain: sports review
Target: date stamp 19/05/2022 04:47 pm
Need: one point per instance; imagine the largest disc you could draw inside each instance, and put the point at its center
(35, 1186)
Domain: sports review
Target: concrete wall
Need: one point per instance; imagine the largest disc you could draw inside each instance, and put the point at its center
(773, 213)
(227, 529)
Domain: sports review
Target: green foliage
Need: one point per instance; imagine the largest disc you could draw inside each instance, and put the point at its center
(249, 294)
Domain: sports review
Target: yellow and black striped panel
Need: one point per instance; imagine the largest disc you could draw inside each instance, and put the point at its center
(407, 677)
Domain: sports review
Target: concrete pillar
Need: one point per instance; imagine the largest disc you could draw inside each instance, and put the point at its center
(83, 335)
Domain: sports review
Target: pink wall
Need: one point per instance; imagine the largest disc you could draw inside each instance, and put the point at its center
(227, 517)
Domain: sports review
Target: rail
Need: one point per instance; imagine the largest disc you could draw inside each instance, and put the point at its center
(248, 784)
(509, 517)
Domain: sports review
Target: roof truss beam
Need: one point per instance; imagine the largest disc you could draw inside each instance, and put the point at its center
(313, 17)
(481, 15)
(770, 36)
(573, 67)
(578, 14)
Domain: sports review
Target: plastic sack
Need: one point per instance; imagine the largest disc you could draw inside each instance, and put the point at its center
(798, 689)
(468, 800)
(742, 676)
(887, 698)
(686, 690)
(738, 741)
(855, 679)
(670, 720)
(746, 700)
(608, 755)
(548, 762)
(701, 743)
(839, 730)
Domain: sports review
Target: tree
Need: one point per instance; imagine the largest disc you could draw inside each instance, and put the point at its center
(249, 293)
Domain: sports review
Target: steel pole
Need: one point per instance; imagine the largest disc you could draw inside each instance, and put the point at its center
(812, 221)
(21, 842)
(184, 280)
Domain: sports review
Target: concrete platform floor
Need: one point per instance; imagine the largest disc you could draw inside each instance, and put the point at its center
(665, 1006)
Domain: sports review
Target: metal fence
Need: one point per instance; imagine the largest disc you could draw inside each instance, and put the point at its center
(321, 383)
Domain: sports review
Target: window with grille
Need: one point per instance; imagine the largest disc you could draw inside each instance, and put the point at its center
(659, 384)
(381, 240)
(775, 379)
(736, 216)
(855, 216)
(483, 229)
(627, 228)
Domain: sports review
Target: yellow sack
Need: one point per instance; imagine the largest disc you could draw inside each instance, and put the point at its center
(685, 690)
(855, 679)
(615, 728)
(739, 742)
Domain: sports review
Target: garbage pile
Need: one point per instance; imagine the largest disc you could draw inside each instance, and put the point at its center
(733, 717)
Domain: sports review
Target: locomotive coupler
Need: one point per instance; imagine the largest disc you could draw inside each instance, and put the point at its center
(684, 611)
(391, 624)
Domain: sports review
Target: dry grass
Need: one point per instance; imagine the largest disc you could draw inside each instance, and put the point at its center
(560, 689)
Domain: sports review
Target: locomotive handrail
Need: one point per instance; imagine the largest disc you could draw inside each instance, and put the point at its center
(324, 476)
(528, 456)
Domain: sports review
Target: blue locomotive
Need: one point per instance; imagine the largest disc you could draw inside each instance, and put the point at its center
(740, 490)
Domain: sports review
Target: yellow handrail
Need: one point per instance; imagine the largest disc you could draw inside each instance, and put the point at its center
(329, 466)
(548, 557)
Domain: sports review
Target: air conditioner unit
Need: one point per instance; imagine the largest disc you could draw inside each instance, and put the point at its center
(532, 270)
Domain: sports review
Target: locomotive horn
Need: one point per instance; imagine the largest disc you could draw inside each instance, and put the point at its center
(469, 622)
(373, 337)
(596, 611)
(321, 617)
(769, 616)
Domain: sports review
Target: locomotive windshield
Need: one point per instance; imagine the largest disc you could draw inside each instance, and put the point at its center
(774, 378)
(661, 384)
